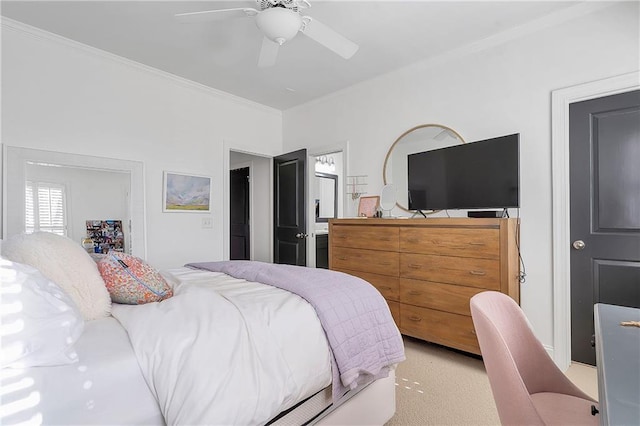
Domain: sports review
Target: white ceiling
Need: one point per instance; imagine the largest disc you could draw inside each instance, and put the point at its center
(223, 55)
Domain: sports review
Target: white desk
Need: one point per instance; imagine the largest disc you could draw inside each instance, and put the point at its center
(618, 362)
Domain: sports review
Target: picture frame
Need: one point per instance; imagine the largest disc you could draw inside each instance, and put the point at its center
(104, 236)
(186, 193)
(368, 206)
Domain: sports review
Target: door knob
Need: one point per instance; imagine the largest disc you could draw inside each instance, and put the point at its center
(578, 244)
(301, 235)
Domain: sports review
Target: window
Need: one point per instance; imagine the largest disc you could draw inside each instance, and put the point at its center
(45, 208)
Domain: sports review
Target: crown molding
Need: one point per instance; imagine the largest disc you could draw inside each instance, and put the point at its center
(19, 27)
(531, 27)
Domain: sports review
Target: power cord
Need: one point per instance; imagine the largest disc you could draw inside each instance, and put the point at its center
(522, 276)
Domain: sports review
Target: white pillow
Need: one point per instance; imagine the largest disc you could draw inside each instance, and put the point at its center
(40, 323)
(67, 264)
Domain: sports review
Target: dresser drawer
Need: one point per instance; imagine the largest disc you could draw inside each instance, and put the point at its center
(388, 286)
(377, 262)
(366, 237)
(471, 272)
(442, 297)
(439, 327)
(481, 243)
(394, 307)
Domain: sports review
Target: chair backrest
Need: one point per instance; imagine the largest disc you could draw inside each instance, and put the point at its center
(516, 362)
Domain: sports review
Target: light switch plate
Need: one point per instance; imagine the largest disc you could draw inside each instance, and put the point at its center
(207, 222)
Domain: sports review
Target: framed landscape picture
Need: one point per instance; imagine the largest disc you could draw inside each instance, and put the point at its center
(186, 193)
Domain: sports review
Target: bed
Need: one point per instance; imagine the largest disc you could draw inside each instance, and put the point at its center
(222, 350)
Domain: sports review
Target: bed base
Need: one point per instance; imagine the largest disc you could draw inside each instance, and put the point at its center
(373, 405)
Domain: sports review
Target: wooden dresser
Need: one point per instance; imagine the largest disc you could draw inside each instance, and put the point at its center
(428, 269)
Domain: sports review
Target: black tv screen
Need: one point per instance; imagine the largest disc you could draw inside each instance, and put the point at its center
(483, 174)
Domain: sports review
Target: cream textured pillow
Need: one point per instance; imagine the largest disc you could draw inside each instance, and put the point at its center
(67, 264)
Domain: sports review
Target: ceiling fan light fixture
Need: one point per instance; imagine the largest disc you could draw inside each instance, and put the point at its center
(279, 24)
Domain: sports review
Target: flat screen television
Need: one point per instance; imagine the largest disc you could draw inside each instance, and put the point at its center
(475, 175)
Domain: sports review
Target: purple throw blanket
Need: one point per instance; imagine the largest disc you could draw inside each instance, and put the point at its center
(363, 337)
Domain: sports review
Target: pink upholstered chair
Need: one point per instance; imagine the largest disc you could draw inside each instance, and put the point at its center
(528, 388)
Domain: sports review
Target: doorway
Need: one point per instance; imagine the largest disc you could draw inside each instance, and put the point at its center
(289, 214)
(262, 205)
(259, 205)
(561, 242)
(604, 142)
(239, 218)
(331, 159)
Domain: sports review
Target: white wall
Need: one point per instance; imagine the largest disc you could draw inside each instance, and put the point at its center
(261, 210)
(58, 95)
(501, 89)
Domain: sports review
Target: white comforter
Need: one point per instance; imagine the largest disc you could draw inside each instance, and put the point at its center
(227, 351)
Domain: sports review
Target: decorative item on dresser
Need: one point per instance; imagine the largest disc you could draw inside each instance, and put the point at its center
(368, 206)
(427, 270)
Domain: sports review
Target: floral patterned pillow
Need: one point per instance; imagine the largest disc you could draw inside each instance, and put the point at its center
(132, 281)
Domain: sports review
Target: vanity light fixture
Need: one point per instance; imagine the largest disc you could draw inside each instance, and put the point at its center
(326, 162)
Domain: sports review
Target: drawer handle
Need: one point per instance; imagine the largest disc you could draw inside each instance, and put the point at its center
(385, 263)
(342, 257)
(415, 293)
(382, 287)
(477, 243)
(384, 239)
(480, 273)
(340, 236)
(414, 266)
(413, 240)
(415, 318)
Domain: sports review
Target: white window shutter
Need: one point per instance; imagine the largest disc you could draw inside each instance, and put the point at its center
(45, 208)
(29, 213)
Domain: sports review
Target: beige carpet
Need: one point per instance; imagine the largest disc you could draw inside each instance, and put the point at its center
(440, 386)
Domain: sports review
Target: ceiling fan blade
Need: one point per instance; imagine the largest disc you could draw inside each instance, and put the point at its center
(215, 15)
(268, 53)
(329, 38)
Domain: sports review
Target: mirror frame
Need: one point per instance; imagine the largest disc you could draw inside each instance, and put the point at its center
(335, 195)
(15, 158)
(386, 158)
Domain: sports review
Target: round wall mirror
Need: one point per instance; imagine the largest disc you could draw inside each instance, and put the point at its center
(418, 139)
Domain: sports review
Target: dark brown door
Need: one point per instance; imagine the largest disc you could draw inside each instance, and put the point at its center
(239, 215)
(290, 219)
(604, 144)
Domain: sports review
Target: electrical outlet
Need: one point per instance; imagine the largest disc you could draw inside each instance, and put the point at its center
(207, 222)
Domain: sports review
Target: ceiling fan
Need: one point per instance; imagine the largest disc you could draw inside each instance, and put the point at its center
(279, 21)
